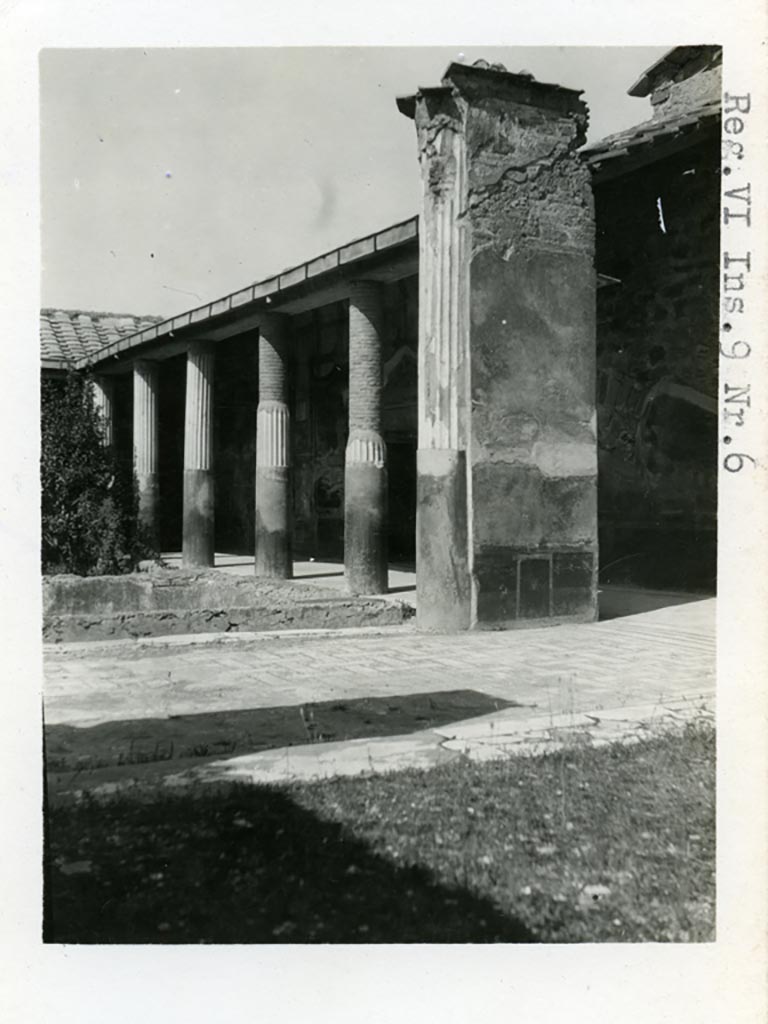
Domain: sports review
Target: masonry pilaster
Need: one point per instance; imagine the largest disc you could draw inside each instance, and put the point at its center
(273, 557)
(199, 510)
(507, 460)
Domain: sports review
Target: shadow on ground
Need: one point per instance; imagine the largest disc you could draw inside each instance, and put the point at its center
(241, 865)
(81, 757)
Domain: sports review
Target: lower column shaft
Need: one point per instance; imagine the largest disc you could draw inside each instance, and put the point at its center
(365, 516)
(273, 556)
(443, 589)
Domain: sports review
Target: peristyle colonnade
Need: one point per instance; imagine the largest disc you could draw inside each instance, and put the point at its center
(507, 447)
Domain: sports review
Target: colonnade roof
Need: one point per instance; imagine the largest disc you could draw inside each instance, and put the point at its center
(387, 255)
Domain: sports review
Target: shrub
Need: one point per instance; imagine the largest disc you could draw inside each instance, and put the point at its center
(90, 523)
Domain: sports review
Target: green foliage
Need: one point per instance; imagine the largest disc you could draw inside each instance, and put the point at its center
(90, 523)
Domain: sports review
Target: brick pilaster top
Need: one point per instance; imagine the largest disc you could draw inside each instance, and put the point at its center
(480, 80)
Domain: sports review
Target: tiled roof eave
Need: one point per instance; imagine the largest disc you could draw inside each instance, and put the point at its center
(651, 133)
(266, 290)
(70, 335)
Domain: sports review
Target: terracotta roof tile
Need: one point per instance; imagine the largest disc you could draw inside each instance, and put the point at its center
(651, 132)
(68, 335)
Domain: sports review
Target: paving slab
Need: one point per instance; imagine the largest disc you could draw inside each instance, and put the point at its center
(503, 734)
(644, 659)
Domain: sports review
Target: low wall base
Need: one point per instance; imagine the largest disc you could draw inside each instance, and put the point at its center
(172, 602)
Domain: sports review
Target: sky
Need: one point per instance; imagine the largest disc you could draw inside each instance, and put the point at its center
(172, 177)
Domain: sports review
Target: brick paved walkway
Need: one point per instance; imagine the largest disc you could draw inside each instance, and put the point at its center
(641, 659)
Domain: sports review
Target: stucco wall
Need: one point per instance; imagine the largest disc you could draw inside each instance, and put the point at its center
(532, 343)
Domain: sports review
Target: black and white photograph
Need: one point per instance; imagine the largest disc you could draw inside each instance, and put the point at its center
(396, 408)
(363, 580)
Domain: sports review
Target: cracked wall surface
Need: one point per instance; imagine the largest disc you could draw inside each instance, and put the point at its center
(533, 456)
(507, 431)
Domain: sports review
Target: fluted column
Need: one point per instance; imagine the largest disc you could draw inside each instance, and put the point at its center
(145, 440)
(103, 398)
(273, 472)
(198, 537)
(365, 476)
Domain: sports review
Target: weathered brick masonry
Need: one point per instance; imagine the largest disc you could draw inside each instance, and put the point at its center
(321, 428)
(365, 477)
(273, 555)
(658, 233)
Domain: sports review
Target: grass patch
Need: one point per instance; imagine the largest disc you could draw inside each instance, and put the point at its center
(609, 844)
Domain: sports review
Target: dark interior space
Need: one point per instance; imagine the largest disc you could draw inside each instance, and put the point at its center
(657, 376)
(172, 390)
(236, 396)
(122, 420)
(401, 458)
